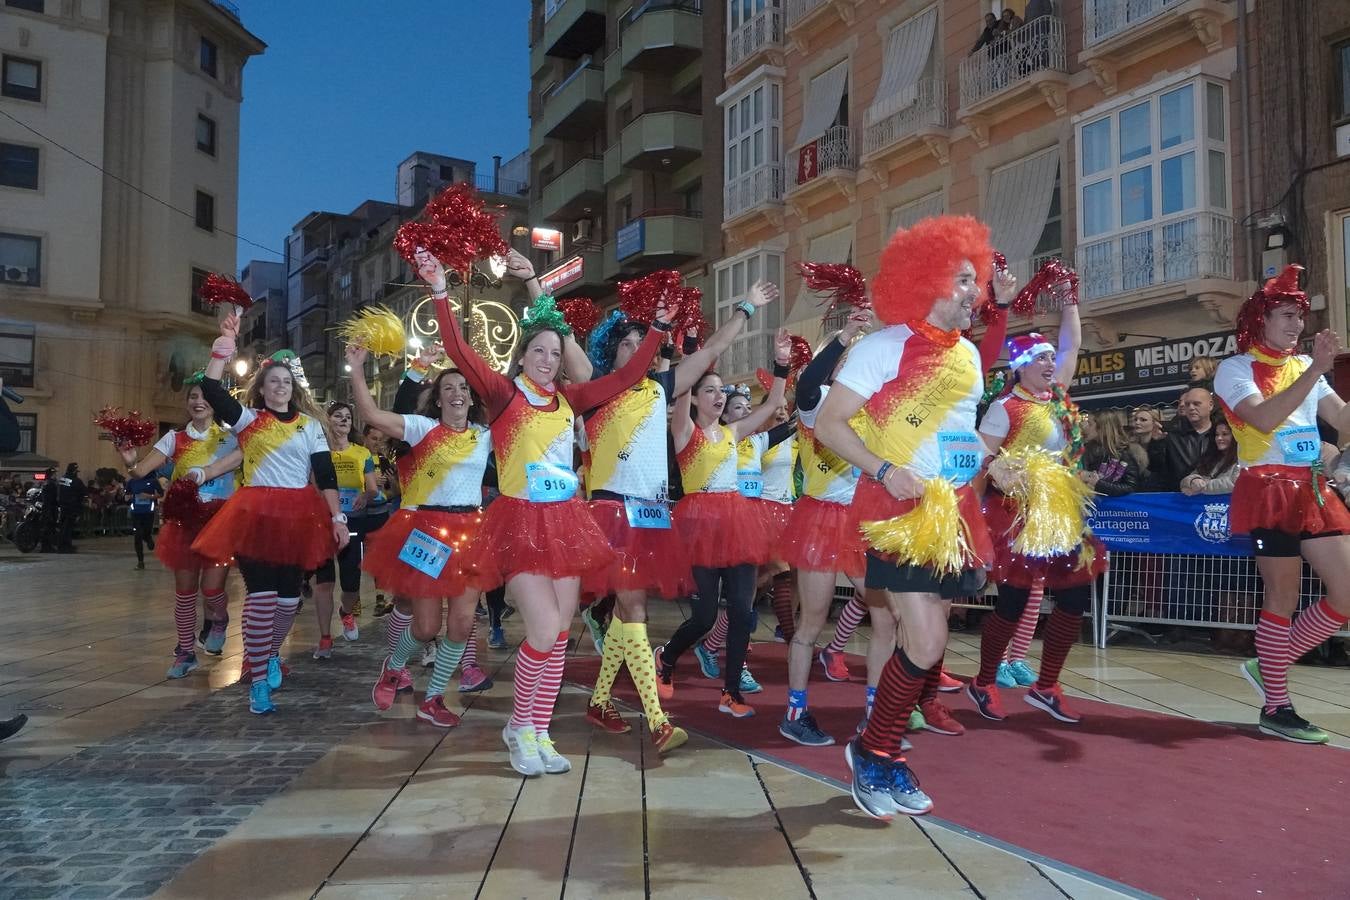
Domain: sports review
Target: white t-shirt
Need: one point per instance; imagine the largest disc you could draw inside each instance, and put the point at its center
(1296, 442)
(276, 453)
(777, 463)
(445, 467)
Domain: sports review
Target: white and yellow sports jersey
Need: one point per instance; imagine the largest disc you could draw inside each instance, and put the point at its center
(445, 467)
(276, 453)
(825, 475)
(627, 441)
(189, 448)
(777, 463)
(1256, 374)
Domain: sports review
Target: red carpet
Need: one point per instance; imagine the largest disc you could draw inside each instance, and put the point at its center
(1173, 806)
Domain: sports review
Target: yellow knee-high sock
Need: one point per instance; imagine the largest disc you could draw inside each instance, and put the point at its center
(638, 654)
(611, 661)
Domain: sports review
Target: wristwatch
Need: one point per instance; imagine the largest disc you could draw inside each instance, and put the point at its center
(340, 518)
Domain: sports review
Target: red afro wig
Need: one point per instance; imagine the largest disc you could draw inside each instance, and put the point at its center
(919, 265)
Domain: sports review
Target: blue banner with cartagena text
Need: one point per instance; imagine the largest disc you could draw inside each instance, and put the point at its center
(1168, 523)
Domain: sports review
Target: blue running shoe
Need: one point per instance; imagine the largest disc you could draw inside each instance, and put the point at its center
(1005, 677)
(497, 638)
(707, 662)
(872, 781)
(274, 673)
(1021, 673)
(183, 663)
(804, 731)
(905, 791)
(215, 638)
(748, 683)
(260, 699)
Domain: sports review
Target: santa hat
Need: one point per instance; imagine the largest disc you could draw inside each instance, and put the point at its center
(1283, 288)
(1023, 348)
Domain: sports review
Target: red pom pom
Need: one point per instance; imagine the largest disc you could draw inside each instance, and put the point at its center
(639, 298)
(183, 504)
(801, 353)
(765, 379)
(455, 228)
(691, 314)
(1053, 287)
(839, 282)
(127, 431)
(218, 289)
(581, 314)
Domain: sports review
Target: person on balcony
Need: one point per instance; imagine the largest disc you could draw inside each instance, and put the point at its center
(992, 29)
(1038, 8)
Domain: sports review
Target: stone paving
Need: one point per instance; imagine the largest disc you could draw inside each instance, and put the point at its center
(122, 818)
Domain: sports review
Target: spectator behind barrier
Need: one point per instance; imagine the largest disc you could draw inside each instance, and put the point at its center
(1173, 456)
(1217, 469)
(1112, 463)
(1202, 371)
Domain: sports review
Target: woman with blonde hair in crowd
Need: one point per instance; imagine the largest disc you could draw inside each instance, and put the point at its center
(1202, 370)
(1113, 463)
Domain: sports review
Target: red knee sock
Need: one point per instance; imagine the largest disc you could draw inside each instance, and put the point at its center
(717, 638)
(260, 612)
(530, 664)
(470, 657)
(993, 641)
(901, 681)
(849, 619)
(287, 607)
(1313, 626)
(1026, 624)
(217, 606)
(782, 604)
(1272, 656)
(930, 682)
(550, 683)
(185, 621)
(1061, 632)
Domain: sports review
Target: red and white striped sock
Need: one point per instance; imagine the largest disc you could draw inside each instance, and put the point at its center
(717, 638)
(1272, 656)
(849, 619)
(1026, 626)
(550, 683)
(530, 663)
(470, 657)
(217, 606)
(1313, 626)
(394, 625)
(260, 611)
(281, 625)
(185, 621)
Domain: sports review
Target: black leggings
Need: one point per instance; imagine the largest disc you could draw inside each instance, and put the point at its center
(143, 527)
(496, 605)
(737, 584)
(348, 567)
(262, 576)
(1012, 600)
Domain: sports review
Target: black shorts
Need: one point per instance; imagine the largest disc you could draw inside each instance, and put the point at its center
(1269, 542)
(910, 579)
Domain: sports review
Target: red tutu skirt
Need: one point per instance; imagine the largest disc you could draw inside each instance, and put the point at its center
(560, 540)
(817, 536)
(1020, 571)
(649, 559)
(281, 526)
(173, 544)
(1281, 498)
(871, 503)
(779, 515)
(392, 574)
(724, 528)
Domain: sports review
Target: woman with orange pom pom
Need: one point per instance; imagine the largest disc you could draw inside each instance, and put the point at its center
(916, 383)
(198, 444)
(537, 537)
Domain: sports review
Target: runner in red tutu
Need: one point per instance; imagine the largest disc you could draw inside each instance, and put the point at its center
(769, 458)
(628, 487)
(538, 537)
(1035, 414)
(726, 534)
(419, 552)
(196, 445)
(1273, 398)
(277, 526)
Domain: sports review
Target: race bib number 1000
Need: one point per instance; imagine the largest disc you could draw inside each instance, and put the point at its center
(646, 513)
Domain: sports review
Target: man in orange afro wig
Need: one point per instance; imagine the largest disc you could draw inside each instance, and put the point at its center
(919, 265)
(915, 385)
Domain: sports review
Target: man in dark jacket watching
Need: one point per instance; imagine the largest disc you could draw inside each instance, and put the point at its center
(1173, 456)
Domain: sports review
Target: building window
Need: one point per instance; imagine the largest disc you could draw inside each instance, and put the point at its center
(206, 134)
(16, 357)
(1153, 195)
(447, 173)
(753, 348)
(21, 79)
(208, 57)
(1340, 55)
(36, 6)
(754, 151)
(206, 211)
(196, 304)
(27, 432)
(693, 200)
(18, 166)
(20, 260)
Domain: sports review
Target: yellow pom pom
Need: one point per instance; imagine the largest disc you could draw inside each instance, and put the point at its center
(933, 534)
(1052, 504)
(378, 329)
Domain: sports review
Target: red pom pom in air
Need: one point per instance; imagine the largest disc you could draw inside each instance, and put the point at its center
(1053, 287)
(842, 284)
(640, 297)
(455, 227)
(218, 289)
(581, 314)
(128, 430)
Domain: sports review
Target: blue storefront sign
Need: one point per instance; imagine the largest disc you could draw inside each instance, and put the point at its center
(1168, 523)
(630, 239)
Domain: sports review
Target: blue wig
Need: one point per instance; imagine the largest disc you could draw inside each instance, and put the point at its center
(604, 340)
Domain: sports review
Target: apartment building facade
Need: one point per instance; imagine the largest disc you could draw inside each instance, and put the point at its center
(1106, 133)
(100, 257)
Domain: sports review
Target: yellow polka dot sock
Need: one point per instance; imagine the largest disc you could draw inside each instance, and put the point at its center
(641, 666)
(611, 661)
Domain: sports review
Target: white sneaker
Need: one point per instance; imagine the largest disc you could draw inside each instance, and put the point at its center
(524, 747)
(429, 655)
(350, 631)
(554, 762)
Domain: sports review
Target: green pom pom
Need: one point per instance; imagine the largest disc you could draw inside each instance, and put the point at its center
(544, 315)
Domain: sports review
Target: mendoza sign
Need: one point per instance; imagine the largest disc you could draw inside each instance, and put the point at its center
(1168, 523)
(1155, 365)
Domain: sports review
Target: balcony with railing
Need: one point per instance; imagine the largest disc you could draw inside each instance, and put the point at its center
(573, 27)
(661, 140)
(574, 107)
(808, 18)
(760, 39)
(914, 130)
(577, 190)
(1168, 259)
(1013, 73)
(661, 35)
(655, 239)
(825, 166)
(1117, 33)
(757, 193)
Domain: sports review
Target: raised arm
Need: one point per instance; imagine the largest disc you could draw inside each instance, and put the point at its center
(493, 387)
(576, 364)
(991, 345)
(760, 416)
(588, 395)
(822, 365)
(388, 422)
(681, 422)
(692, 367)
(1268, 414)
(1070, 342)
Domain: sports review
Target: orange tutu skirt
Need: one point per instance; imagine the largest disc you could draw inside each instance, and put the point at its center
(281, 526)
(816, 538)
(392, 574)
(871, 502)
(1281, 498)
(173, 544)
(648, 559)
(560, 540)
(723, 528)
(1020, 571)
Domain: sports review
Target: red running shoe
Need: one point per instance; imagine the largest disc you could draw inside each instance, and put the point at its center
(405, 682)
(986, 701)
(1052, 701)
(433, 710)
(947, 684)
(604, 715)
(836, 667)
(937, 718)
(386, 687)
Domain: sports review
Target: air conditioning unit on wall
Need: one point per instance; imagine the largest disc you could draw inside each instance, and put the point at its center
(18, 274)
